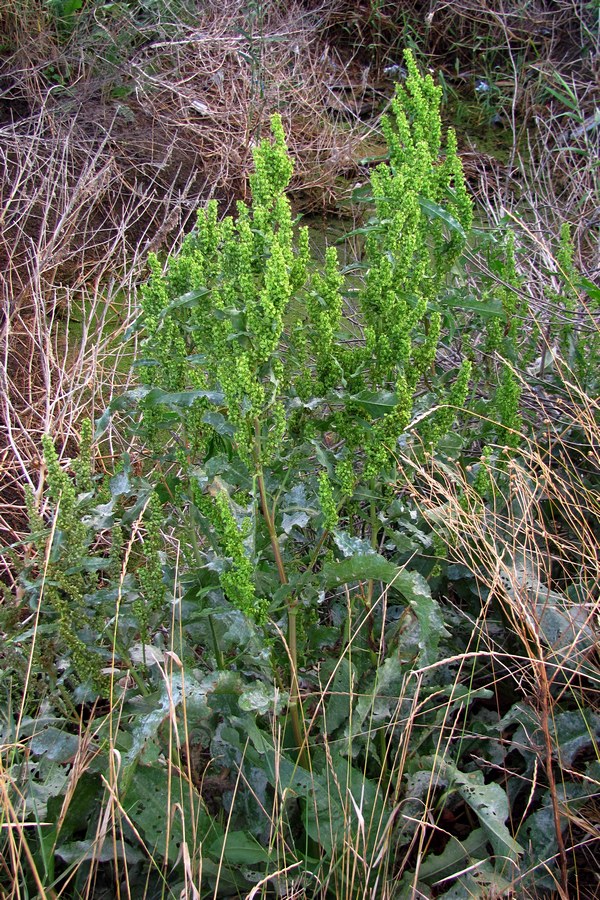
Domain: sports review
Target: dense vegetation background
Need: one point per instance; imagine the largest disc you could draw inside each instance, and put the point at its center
(300, 441)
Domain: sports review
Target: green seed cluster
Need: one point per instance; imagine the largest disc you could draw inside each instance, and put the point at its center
(483, 480)
(324, 305)
(445, 417)
(37, 525)
(424, 213)
(83, 466)
(65, 585)
(215, 319)
(237, 582)
(150, 574)
(327, 502)
(580, 355)
(346, 476)
(506, 408)
(71, 531)
(440, 550)
(273, 167)
(243, 314)
(503, 334)
(386, 431)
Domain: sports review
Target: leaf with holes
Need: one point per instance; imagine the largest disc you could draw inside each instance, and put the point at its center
(490, 805)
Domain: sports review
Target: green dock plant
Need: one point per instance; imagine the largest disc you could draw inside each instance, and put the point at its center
(255, 384)
(329, 451)
(95, 569)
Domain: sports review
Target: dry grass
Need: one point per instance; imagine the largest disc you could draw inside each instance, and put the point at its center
(534, 551)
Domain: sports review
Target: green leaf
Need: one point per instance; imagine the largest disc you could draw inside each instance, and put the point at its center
(435, 211)
(351, 546)
(158, 397)
(490, 804)
(297, 519)
(158, 803)
(100, 516)
(481, 883)
(380, 700)
(415, 589)
(119, 484)
(349, 814)
(574, 731)
(101, 424)
(540, 832)
(376, 403)
(295, 498)
(364, 193)
(218, 421)
(564, 626)
(49, 781)
(456, 856)
(591, 289)
(146, 728)
(339, 692)
(239, 849)
(487, 309)
(260, 698)
(128, 400)
(361, 567)
(375, 226)
(80, 851)
(186, 301)
(54, 745)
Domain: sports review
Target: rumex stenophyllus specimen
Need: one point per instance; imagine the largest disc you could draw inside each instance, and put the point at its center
(94, 568)
(254, 379)
(245, 326)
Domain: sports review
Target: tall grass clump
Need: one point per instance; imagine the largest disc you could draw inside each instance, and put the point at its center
(312, 636)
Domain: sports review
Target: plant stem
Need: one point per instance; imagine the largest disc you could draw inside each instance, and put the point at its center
(294, 706)
(297, 723)
(216, 646)
(271, 529)
(383, 750)
(218, 654)
(371, 583)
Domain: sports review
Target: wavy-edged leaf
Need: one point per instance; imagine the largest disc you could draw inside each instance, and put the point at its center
(376, 403)
(351, 546)
(415, 589)
(54, 745)
(150, 803)
(575, 731)
(218, 421)
(238, 849)
(435, 211)
(361, 567)
(297, 519)
(456, 856)
(178, 399)
(490, 804)
(186, 301)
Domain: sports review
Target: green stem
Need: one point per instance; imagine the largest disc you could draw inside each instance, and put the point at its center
(218, 654)
(383, 750)
(294, 706)
(297, 723)
(371, 583)
(271, 529)
(198, 557)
